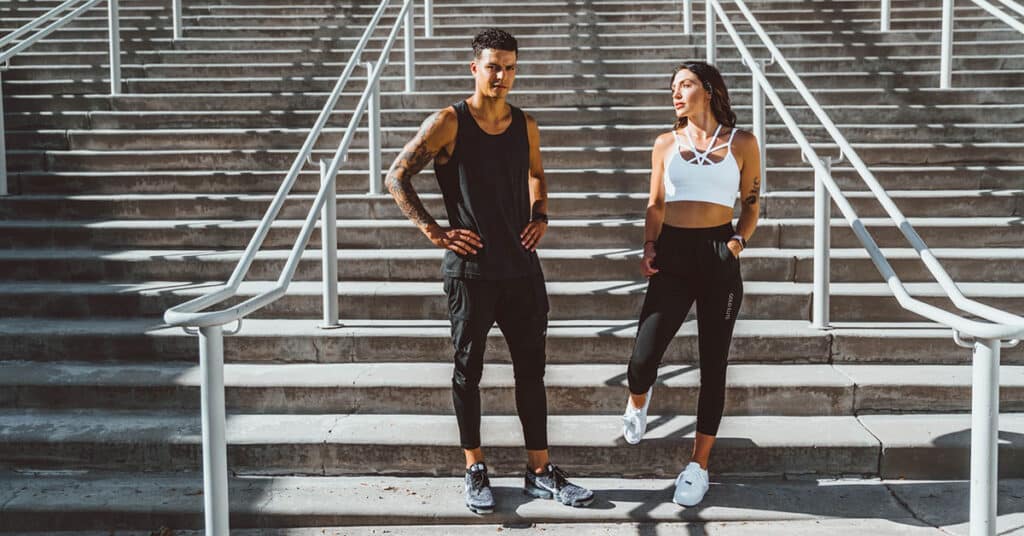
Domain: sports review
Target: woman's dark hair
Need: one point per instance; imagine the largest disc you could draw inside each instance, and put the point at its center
(713, 83)
(495, 39)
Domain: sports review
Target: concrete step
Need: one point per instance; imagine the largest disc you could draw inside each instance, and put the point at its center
(912, 446)
(555, 157)
(759, 264)
(642, 69)
(425, 388)
(565, 234)
(972, 77)
(353, 181)
(294, 98)
(588, 129)
(422, 506)
(571, 300)
(148, 340)
(591, 205)
(929, 120)
(78, 53)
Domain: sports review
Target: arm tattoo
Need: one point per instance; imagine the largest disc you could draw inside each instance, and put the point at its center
(754, 192)
(411, 161)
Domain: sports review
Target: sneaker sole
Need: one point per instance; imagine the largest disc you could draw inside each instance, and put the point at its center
(545, 494)
(481, 511)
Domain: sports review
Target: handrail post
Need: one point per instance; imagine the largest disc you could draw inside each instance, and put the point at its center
(3, 143)
(885, 20)
(709, 30)
(329, 246)
(946, 59)
(176, 16)
(215, 459)
(428, 18)
(822, 228)
(984, 436)
(373, 131)
(687, 17)
(760, 130)
(410, 52)
(114, 28)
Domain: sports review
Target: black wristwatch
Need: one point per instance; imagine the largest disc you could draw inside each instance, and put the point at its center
(739, 238)
(540, 216)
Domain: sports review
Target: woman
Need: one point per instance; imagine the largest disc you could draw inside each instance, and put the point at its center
(691, 253)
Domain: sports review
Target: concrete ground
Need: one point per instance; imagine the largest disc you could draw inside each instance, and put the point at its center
(308, 506)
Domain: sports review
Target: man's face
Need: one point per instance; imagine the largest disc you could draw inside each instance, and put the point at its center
(494, 72)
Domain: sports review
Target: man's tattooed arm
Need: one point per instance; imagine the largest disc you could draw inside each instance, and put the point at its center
(414, 157)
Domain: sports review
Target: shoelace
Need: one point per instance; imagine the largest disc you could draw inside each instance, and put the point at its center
(477, 479)
(560, 477)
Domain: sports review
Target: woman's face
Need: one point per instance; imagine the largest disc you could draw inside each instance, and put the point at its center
(688, 95)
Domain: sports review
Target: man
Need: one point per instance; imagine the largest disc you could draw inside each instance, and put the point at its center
(486, 157)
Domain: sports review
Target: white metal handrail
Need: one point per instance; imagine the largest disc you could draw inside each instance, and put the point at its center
(51, 25)
(946, 40)
(987, 335)
(192, 314)
(189, 313)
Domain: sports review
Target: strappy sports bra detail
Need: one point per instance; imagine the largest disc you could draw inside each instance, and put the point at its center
(698, 178)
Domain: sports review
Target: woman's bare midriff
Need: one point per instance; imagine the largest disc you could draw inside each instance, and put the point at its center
(696, 214)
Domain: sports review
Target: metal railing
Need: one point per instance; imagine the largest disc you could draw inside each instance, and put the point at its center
(986, 335)
(946, 41)
(42, 26)
(210, 324)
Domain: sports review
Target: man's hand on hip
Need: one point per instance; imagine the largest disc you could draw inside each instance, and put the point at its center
(461, 241)
(532, 234)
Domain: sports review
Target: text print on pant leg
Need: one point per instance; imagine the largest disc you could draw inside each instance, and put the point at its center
(728, 306)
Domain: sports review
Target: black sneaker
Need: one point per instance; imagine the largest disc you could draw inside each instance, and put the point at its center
(479, 498)
(553, 483)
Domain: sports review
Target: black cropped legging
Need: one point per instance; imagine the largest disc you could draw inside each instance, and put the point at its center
(694, 265)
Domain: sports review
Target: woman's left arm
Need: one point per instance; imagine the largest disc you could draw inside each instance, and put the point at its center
(750, 188)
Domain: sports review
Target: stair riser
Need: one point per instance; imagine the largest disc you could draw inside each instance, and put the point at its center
(352, 181)
(651, 458)
(554, 158)
(615, 348)
(656, 117)
(754, 269)
(772, 206)
(84, 52)
(769, 234)
(807, 68)
(805, 400)
(434, 307)
(394, 84)
(98, 100)
(605, 400)
(395, 138)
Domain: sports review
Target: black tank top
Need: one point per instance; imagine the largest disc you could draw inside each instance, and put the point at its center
(485, 185)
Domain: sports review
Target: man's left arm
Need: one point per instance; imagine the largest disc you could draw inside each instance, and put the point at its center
(538, 225)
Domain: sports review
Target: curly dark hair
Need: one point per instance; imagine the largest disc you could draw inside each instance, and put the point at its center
(495, 39)
(713, 83)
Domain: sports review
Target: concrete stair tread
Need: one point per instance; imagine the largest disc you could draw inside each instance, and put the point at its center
(435, 254)
(555, 223)
(416, 288)
(31, 425)
(766, 506)
(397, 375)
(261, 197)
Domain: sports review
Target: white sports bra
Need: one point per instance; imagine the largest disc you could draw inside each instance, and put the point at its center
(699, 179)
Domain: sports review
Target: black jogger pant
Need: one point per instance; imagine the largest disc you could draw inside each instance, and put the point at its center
(520, 307)
(694, 265)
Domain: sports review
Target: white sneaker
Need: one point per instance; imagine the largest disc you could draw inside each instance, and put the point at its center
(691, 485)
(634, 421)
